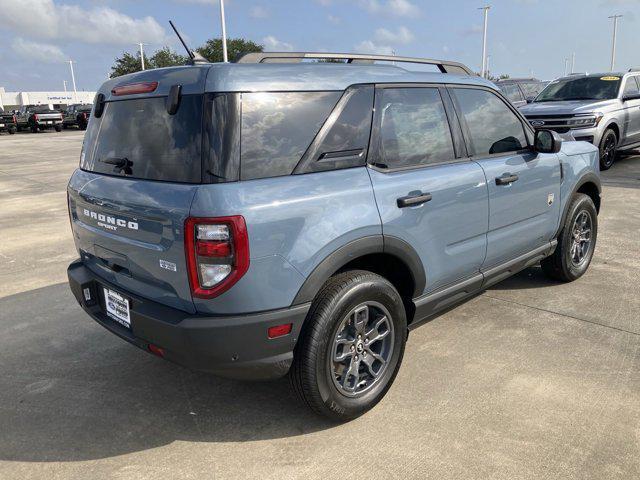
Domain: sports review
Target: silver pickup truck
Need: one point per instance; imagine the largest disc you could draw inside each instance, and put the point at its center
(602, 108)
(38, 117)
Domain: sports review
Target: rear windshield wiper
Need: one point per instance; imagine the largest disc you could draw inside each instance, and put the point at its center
(121, 165)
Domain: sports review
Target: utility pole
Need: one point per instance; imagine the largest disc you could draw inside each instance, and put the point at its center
(566, 66)
(488, 68)
(573, 62)
(615, 34)
(484, 40)
(73, 80)
(64, 84)
(224, 33)
(142, 55)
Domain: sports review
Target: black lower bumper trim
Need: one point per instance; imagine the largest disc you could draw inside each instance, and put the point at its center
(229, 346)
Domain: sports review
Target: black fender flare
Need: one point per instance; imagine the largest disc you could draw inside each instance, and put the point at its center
(358, 248)
(586, 178)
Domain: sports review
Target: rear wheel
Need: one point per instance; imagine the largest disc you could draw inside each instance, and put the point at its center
(82, 125)
(34, 129)
(576, 242)
(351, 347)
(12, 130)
(58, 128)
(608, 149)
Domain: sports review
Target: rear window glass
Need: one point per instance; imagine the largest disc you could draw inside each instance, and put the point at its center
(277, 128)
(139, 139)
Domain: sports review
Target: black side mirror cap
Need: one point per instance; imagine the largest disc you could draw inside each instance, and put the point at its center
(530, 99)
(547, 141)
(98, 107)
(173, 100)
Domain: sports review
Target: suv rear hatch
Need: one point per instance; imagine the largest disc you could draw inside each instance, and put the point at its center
(140, 168)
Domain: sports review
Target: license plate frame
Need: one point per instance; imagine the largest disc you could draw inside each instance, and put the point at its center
(117, 307)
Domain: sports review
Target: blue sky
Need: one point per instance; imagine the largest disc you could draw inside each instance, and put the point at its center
(525, 36)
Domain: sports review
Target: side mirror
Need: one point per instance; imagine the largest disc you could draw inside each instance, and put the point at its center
(530, 99)
(547, 141)
(631, 96)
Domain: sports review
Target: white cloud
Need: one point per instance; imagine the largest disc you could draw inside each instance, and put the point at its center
(271, 43)
(368, 46)
(40, 52)
(473, 30)
(102, 25)
(401, 37)
(399, 8)
(333, 19)
(258, 12)
(324, 3)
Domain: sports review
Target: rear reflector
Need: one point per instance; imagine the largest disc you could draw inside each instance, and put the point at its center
(133, 88)
(279, 330)
(156, 350)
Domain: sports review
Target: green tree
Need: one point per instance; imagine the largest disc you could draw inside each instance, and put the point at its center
(166, 57)
(236, 47)
(127, 63)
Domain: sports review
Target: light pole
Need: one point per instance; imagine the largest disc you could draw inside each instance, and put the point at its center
(142, 54)
(613, 45)
(566, 66)
(224, 33)
(484, 40)
(73, 81)
(573, 62)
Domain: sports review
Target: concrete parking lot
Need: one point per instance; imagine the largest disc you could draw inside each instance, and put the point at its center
(532, 379)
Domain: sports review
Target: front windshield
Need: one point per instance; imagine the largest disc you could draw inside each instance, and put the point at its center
(581, 88)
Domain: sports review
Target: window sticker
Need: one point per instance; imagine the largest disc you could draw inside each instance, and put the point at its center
(609, 79)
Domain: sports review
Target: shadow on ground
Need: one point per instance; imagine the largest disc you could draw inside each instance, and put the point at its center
(73, 391)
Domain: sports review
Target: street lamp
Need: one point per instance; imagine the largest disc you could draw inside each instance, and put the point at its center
(224, 33)
(73, 80)
(613, 43)
(484, 40)
(142, 54)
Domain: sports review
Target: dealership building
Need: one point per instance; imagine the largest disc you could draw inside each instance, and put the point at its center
(14, 100)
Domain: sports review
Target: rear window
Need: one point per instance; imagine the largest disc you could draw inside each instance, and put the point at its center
(139, 139)
(277, 128)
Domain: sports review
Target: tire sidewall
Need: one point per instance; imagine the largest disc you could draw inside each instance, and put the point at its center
(582, 203)
(380, 291)
(608, 133)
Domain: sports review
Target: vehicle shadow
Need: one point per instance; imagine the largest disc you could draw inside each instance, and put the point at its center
(527, 279)
(72, 391)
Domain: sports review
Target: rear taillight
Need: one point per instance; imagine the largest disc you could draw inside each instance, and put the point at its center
(15, 119)
(84, 115)
(35, 117)
(217, 252)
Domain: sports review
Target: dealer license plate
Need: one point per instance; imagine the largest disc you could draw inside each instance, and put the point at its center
(117, 307)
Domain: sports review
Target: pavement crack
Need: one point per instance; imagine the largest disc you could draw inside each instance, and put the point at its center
(585, 320)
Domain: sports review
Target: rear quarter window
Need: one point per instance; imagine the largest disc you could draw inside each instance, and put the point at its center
(278, 127)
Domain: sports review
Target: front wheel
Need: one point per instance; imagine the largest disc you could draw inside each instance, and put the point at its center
(576, 242)
(58, 128)
(608, 149)
(351, 347)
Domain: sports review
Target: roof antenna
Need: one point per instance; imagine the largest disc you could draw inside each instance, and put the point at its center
(194, 57)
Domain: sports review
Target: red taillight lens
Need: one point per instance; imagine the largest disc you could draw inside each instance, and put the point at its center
(156, 350)
(84, 115)
(133, 88)
(15, 119)
(217, 252)
(35, 117)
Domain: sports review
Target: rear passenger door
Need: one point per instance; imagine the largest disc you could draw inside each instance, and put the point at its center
(632, 111)
(428, 193)
(523, 186)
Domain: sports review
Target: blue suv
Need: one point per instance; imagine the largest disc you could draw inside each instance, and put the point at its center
(280, 216)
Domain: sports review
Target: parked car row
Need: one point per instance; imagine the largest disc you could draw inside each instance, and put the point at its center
(601, 108)
(41, 117)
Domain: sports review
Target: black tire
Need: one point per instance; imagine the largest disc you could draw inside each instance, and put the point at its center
(312, 374)
(12, 130)
(58, 128)
(562, 264)
(34, 129)
(608, 149)
(82, 126)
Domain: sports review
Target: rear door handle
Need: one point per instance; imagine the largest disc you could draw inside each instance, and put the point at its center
(413, 200)
(506, 179)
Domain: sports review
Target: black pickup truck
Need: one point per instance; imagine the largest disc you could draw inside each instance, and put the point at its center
(8, 122)
(78, 115)
(39, 117)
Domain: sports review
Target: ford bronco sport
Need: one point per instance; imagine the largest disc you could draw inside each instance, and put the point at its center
(602, 108)
(268, 217)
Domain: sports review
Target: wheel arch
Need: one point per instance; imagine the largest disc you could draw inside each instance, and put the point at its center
(588, 184)
(390, 257)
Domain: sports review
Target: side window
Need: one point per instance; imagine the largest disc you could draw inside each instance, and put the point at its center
(277, 129)
(512, 92)
(493, 127)
(343, 140)
(631, 86)
(414, 129)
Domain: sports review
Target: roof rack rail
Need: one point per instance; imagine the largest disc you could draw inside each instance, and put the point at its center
(445, 66)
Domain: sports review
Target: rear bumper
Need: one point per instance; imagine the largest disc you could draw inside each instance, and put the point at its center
(229, 346)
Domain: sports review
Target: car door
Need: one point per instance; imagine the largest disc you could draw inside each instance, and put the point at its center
(632, 111)
(523, 186)
(428, 192)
